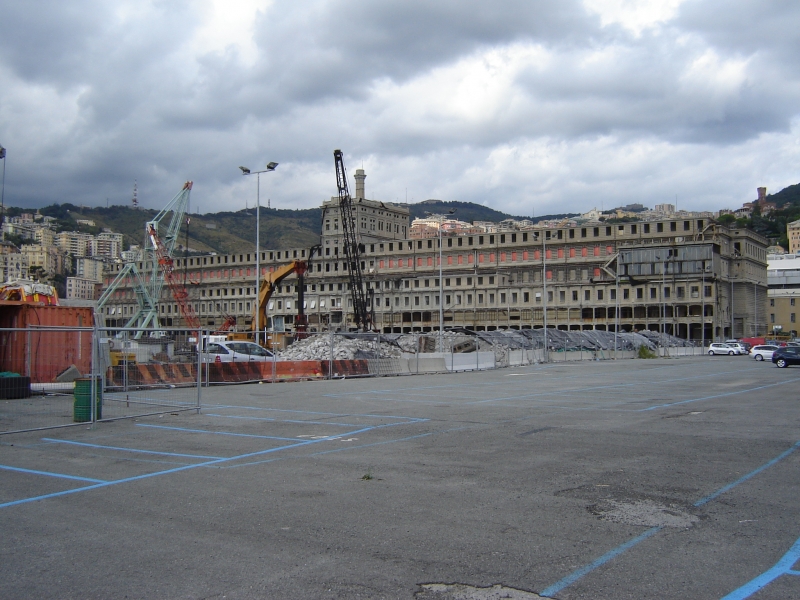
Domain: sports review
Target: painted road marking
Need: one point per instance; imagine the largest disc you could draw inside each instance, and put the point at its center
(579, 573)
(782, 567)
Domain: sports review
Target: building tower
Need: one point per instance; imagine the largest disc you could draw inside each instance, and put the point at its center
(360, 176)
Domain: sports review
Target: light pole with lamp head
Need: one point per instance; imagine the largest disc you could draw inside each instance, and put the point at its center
(3, 193)
(441, 281)
(245, 171)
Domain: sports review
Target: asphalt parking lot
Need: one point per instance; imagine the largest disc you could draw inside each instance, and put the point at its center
(667, 478)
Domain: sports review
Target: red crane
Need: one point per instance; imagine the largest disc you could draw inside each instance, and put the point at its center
(178, 290)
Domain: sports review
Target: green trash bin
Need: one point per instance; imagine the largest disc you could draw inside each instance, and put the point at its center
(81, 408)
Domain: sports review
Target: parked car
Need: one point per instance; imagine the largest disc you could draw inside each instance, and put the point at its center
(783, 357)
(763, 352)
(744, 346)
(236, 352)
(718, 348)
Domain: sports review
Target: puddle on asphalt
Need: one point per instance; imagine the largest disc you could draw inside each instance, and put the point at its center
(645, 513)
(460, 591)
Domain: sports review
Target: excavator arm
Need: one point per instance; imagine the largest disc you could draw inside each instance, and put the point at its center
(268, 284)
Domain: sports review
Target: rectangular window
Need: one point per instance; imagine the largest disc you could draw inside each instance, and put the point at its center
(613, 294)
(562, 296)
(708, 291)
(639, 293)
(587, 295)
(791, 301)
(772, 317)
(599, 294)
(574, 295)
(772, 301)
(791, 318)
(666, 292)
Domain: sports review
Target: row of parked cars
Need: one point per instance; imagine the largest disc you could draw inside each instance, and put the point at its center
(782, 356)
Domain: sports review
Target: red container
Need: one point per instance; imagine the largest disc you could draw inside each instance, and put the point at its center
(40, 353)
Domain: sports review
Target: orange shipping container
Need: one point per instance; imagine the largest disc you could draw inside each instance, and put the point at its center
(40, 353)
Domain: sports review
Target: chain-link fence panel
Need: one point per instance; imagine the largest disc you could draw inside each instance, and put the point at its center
(148, 372)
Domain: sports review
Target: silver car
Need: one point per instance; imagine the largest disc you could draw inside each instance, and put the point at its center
(236, 352)
(762, 352)
(718, 348)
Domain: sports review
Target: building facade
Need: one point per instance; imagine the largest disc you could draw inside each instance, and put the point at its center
(784, 294)
(693, 278)
(84, 289)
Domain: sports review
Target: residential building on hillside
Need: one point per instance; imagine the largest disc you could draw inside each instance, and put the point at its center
(14, 265)
(89, 268)
(73, 243)
(51, 259)
(82, 288)
(793, 233)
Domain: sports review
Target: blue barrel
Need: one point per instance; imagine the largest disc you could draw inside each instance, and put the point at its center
(81, 408)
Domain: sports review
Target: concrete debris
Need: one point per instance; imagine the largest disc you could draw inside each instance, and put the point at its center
(349, 346)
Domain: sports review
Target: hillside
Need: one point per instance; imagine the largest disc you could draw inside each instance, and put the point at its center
(227, 232)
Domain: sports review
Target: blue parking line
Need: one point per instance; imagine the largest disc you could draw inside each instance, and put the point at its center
(782, 567)
(577, 574)
(175, 470)
(136, 450)
(248, 435)
(744, 478)
(316, 412)
(760, 387)
(294, 421)
(49, 474)
(595, 388)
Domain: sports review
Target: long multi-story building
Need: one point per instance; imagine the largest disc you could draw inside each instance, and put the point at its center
(693, 278)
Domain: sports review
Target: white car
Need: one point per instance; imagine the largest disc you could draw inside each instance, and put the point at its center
(722, 349)
(762, 352)
(236, 352)
(739, 346)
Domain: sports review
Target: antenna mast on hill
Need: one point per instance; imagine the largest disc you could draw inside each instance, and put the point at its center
(135, 199)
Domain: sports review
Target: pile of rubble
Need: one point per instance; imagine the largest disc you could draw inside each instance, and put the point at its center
(340, 347)
(349, 346)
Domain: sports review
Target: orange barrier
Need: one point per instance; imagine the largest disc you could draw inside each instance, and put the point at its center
(235, 372)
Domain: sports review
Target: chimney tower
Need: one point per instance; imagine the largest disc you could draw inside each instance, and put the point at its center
(360, 177)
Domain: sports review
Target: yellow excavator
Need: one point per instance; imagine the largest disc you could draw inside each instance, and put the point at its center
(267, 288)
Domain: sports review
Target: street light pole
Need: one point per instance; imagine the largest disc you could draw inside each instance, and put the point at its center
(441, 281)
(3, 194)
(245, 171)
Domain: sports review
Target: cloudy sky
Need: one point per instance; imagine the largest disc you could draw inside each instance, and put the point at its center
(527, 106)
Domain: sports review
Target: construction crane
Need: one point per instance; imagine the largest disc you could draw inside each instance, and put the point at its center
(147, 286)
(352, 248)
(177, 288)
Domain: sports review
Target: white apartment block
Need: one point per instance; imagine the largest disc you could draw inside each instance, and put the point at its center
(73, 242)
(103, 247)
(82, 289)
(45, 236)
(89, 268)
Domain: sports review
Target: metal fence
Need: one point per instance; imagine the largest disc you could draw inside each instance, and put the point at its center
(60, 376)
(56, 372)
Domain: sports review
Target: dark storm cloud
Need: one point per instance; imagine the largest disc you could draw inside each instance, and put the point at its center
(498, 102)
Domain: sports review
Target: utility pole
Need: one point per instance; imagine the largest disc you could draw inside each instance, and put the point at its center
(544, 291)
